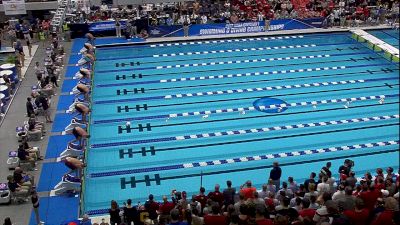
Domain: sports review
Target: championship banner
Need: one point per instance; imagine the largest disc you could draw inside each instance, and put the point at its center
(245, 27)
(14, 7)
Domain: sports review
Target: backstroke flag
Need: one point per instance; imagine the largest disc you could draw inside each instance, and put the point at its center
(14, 7)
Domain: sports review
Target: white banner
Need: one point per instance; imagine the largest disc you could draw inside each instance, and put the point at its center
(14, 7)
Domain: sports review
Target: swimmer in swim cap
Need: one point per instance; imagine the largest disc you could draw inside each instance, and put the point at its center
(83, 110)
(83, 89)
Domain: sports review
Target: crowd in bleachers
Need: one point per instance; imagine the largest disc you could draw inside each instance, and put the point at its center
(338, 12)
(372, 199)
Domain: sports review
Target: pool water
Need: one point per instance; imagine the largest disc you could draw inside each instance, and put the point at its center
(389, 36)
(189, 114)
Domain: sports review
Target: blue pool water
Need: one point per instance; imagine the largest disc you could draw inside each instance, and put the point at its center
(181, 115)
(389, 36)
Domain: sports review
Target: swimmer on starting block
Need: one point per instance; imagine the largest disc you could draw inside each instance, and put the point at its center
(83, 110)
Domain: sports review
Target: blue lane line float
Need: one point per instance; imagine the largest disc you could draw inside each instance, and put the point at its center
(266, 101)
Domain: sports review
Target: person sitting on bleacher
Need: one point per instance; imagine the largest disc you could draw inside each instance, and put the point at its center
(31, 150)
(34, 125)
(25, 157)
(23, 179)
(16, 189)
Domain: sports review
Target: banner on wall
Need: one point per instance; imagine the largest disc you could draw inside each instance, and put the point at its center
(14, 7)
(105, 26)
(246, 27)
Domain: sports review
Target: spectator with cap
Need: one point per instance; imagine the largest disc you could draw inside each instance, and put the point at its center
(322, 213)
(248, 190)
(326, 170)
(275, 174)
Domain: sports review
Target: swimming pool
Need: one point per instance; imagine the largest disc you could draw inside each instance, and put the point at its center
(389, 36)
(185, 114)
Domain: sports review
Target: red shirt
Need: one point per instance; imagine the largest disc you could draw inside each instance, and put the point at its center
(166, 208)
(216, 196)
(357, 218)
(369, 198)
(202, 199)
(214, 220)
(307, 213)
(264, 222)
(248, 192)
(385, 218)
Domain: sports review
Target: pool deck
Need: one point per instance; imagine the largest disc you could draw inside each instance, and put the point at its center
(49, 170)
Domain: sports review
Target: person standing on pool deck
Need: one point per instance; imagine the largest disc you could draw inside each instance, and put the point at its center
(117, 27)
(275, 175)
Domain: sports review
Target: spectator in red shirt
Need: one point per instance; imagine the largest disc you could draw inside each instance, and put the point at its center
(358, 216)
(369, 197)
(386, 217)
(248, 191)
(165, 209)
(151, 206)
(216, 195)
(202, 198)
(215, 218)
(306, 212)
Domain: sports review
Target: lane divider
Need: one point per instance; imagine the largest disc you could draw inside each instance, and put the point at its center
(247, 159)
(239, 132)
(226, 76)
(317, 84)
(232, 75)
(233, 50)
(243, 61)
(277, 106)
(225, 41)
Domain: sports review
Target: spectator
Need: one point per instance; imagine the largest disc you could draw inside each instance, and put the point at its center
(388, 215)
(175, 218)
(151, 206)
(322, 214)
(202, 198)
(114, 213)
(248, 190)
(293, 185)
(7, 221)
(348, 202)
(309, 181)
(130, 213)
(263, 193)
(306, 212)
(216, 195)
(275, 175)
(326, 170)
(360, 215)
(165, 209)
(29, 107)
(215, 218)
(339, 194)
(229, 194)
